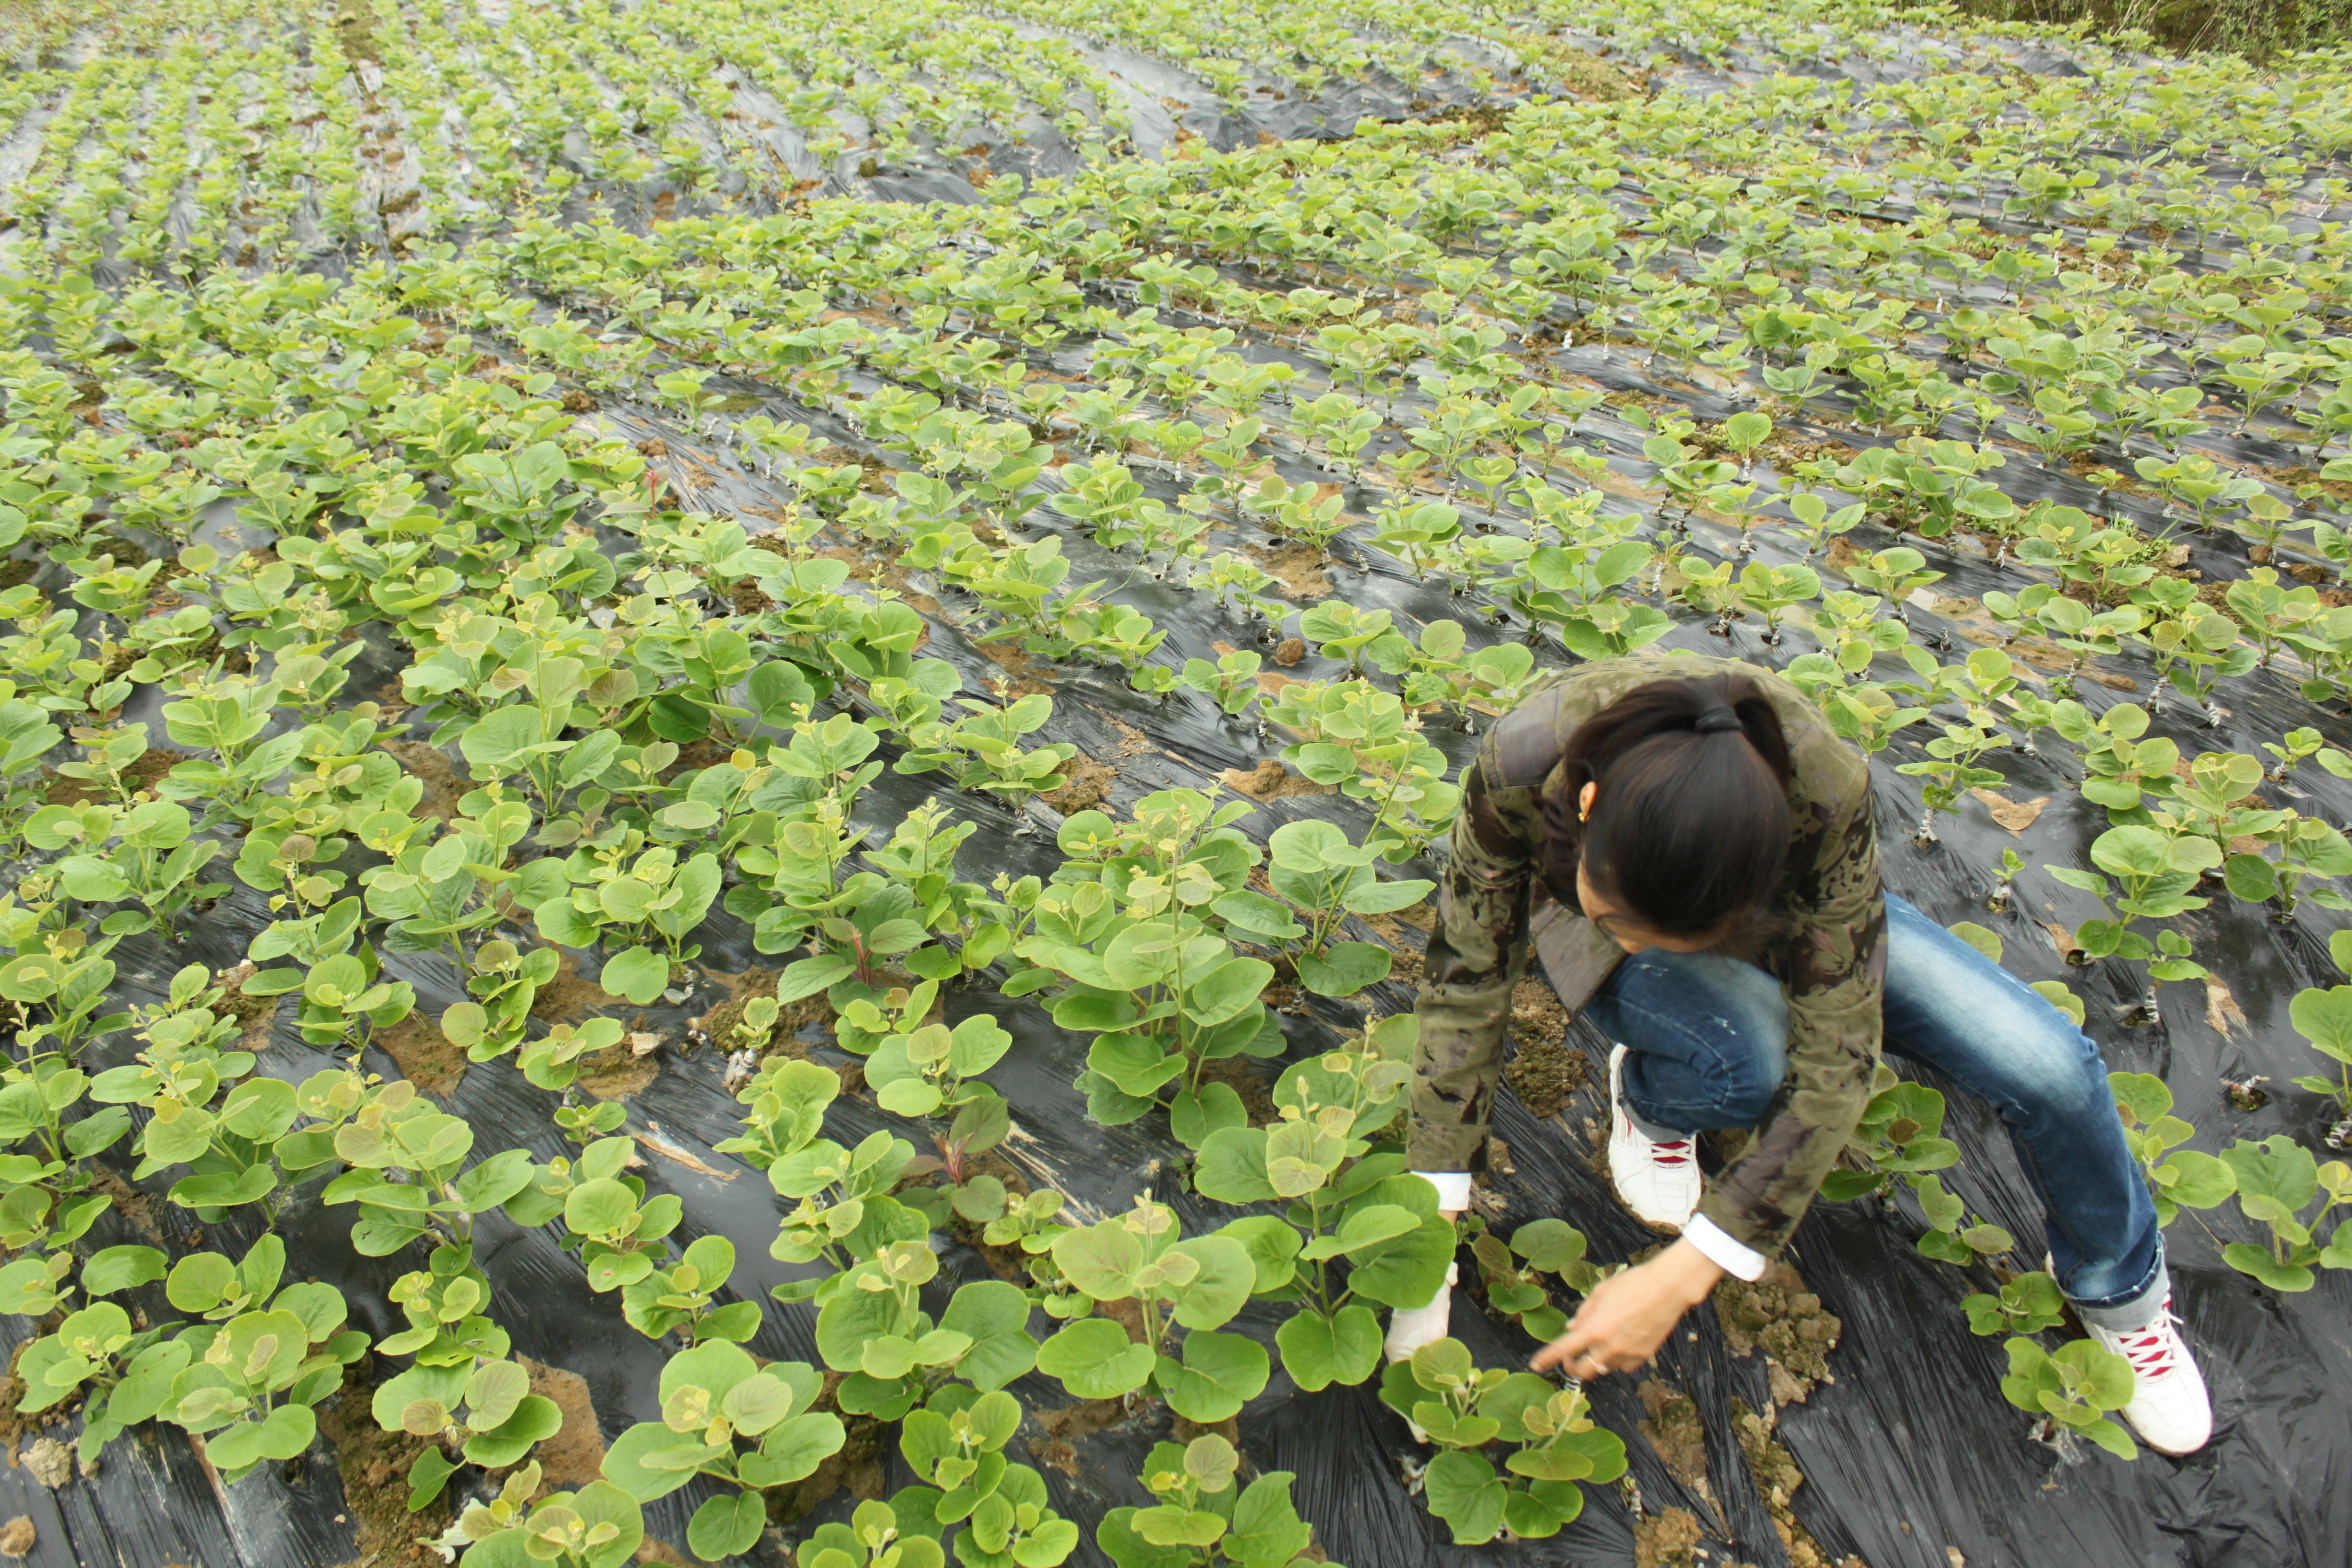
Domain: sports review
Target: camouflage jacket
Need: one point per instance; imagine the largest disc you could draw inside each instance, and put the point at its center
(1828, 956)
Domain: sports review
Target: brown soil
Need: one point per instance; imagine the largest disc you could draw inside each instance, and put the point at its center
(1780, 1317)
(1270, 780)
(1777, 1478)
(722, 1024)
(575, 1455)
(1055, 1454)
(1298, 567)
(51, 1462)
(1078, 1420)
(2338, 490)
(426, 1057)
(1241, 1074)
(1673, 1428)
(1670, 1538)
(1087, 785)
(2015, 815)
(374, 1466)
(1546, 1071)
(17, 1537)
(1183, 1431)
(444, 787)
(252, 1013)
(618, 1073)
(139, 777)
(569, 996)
(1290, 651)
(1022, 673)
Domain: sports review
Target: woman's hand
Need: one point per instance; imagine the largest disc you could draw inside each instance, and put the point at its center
(1628, 1316)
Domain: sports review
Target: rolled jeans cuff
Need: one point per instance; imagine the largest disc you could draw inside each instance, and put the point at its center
(2133, 1309)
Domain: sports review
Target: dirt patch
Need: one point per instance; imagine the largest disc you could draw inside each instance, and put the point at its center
(1780, 1317)
(426, 1057)
(1777, 1478)
(618, 1073)
(1546, 1071)
(140, 777)
(1670, 1538)
(1022, 675)
(51, 1462)
(569, 995)
(1078, 1420)
(444, 787)
(374, 1466)
(355, 34)
(1088, 784)
(252, 1014)
(1298, 567)
(722, 1026)
(2015, 815)
(1270, 780)
(1673, 1428)
(1577, 72)
(17, 1537)
(575, 1455)
(1241, 1075)
(1289, 651)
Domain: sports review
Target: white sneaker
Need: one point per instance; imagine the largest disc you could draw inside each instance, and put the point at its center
(2169, 1407)
(1409, 1328)
(1658, 1181)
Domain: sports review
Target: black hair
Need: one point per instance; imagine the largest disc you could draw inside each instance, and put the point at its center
(1689, 830)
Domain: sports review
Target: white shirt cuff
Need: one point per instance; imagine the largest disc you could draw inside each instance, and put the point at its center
(1733, 1257)
(1453, 1188)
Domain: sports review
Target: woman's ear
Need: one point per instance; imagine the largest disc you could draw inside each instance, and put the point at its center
(1584, 800)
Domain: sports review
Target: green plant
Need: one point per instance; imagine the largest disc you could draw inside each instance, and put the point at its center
(1197, 1284)
(2072, 1389)
(250, 1375)
(597, 1526)
(1465, 1410)
(2276, 1180)
(1315, 873)
(2153, 878)
(1206, 1516)
(2177, 1177)
(713, 1397)
(1343, 1201)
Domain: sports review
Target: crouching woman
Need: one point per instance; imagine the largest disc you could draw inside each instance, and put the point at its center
(1689, 846)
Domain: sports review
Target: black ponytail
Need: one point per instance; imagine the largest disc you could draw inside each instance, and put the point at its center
(1690, 824)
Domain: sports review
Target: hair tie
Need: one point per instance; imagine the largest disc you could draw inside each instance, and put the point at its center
(1720, 717)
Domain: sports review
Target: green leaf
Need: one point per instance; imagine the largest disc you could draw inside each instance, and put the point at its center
(1318, 1351)
(118, 1268)
(1225, 991)
(1094, 1359)
(638, 973)
(1219, 1374)
(2324, 1017)
(1344, 968)
(1194, 1118)
(1232, 1167)
(995, 1315)
(1463, 1490)
(726, 1525)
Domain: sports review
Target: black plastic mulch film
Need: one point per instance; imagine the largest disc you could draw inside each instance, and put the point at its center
(1909, 1456)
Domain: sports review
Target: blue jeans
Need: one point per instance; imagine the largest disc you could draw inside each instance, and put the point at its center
(1707, 1047)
